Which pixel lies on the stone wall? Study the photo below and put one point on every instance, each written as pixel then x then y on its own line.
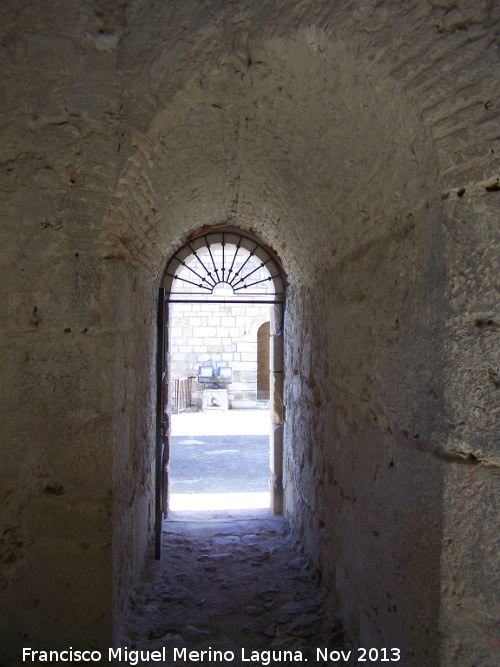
pixel 362 484
pixel 59 166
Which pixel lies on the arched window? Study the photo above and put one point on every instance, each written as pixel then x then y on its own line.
pixel 224 266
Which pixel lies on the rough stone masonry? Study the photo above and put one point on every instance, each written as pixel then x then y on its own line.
pixel 358 140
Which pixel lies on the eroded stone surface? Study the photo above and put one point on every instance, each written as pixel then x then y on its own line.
pixel 232 585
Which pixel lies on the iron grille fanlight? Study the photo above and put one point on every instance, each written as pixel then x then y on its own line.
pixel 224 267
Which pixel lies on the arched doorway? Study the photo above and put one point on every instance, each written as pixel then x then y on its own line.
pixel 224 266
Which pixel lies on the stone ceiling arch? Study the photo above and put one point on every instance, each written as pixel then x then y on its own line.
pixel 314 149
pixel 444 55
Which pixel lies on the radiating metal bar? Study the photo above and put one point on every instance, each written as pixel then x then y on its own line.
pixel 203 265
pixel 234 258
pixel 236 289
pixel 202 278
pixel 251 272
pixel 184 280
pixel 223 258
pixel 243 265
pixel 211 257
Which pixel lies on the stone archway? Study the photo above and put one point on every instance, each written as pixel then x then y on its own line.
pixel 252 274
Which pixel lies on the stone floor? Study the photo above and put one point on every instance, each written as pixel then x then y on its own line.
pixel 239 585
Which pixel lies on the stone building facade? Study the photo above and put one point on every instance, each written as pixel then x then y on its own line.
pixel 221 335
pixel 358 140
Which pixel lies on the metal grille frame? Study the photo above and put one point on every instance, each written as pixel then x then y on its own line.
pixel 207 269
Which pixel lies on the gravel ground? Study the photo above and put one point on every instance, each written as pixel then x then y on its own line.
pixel 240 586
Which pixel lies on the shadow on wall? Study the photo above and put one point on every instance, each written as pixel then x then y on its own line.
pixel 363 483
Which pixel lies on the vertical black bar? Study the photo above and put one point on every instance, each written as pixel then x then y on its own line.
pixel 212 258
pixel 234 258
pixel 160 423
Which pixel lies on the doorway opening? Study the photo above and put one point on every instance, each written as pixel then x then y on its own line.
pixel 219 436
pixel 219 291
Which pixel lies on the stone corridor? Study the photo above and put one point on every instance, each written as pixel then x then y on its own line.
pixel 356 143
pixel 230 585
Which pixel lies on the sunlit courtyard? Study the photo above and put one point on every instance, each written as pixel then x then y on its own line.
pixel 219 460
